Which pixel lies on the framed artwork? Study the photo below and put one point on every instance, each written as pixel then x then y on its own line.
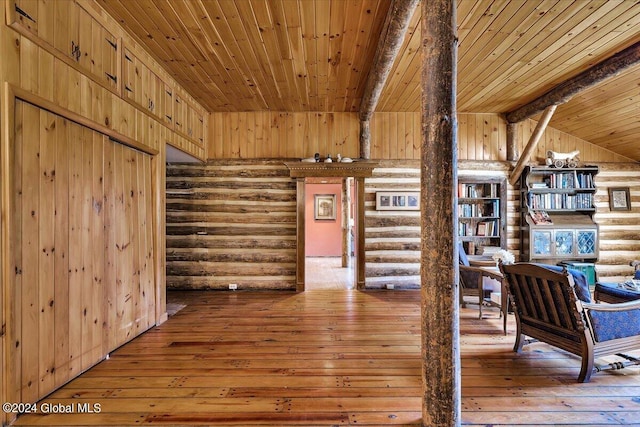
pixel 325 207
pixel 619 199
pixel 398 200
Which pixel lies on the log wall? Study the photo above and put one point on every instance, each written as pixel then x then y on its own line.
pixel 392 238
pixel 231 222
pixel 619 230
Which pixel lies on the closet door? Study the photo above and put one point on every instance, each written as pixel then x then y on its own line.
pixel 83 250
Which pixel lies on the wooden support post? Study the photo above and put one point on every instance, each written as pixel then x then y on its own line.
pixel 512 142
pixel 346 227
pixel 360 253
pixel 532 144
pixel 365 140
pixel 300 235
pixel 441 404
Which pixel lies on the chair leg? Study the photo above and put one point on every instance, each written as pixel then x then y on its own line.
pixel 480 295
pixel 517 346
pixel 586 369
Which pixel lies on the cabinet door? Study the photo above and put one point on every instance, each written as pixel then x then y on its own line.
pixel 586 242
pixel 563 242
pixel 541 242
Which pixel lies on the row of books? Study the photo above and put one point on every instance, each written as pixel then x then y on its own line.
pixel 560 201
pixel 482 229
pixel 566 180
pixel 478 190
pixel 488 208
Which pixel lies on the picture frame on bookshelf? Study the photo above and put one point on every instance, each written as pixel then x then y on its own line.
pixel 482 229
pixel 398 200
pixel 619 199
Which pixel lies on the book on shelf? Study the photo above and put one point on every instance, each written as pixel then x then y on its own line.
pixel 541 217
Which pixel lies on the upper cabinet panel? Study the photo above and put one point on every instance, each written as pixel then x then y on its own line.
pixel 72 34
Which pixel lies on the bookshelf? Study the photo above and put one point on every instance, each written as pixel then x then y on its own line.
pixel 557 208
pixel 482 213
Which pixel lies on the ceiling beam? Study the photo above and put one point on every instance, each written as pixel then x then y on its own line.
pixel 393 32
pixel 560 94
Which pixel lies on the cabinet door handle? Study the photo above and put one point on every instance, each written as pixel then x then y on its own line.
pixel 23 13
pixel 114 78
pixel 75 51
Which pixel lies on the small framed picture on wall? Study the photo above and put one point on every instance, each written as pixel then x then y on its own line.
pixel 398 200
pixel 619 199
pixel 325 207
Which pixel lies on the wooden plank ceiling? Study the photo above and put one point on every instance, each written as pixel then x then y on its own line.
pixel 315 55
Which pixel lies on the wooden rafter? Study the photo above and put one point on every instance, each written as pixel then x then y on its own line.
pixel 560 94
pixel 532 144
pixel 393 32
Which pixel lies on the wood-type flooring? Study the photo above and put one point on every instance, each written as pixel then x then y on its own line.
pixel 327 358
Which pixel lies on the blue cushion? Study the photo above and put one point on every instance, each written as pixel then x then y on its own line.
pixel 609 325
pixel 613 290
pixel 464 260
pixel 579 278
pixel 636 275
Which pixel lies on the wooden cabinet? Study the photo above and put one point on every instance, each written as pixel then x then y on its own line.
pixel 557 207
pixel 71 33
pixel 481 213
pixel 144 88
pixel 189 120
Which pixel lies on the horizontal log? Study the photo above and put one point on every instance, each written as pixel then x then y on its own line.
pixel 389 259
pixel 373 270
pixel 185 217
pixel 395 234
pixel 392 221
pixel 173 230
pixel 230 185
pixel 257 196
pixel 232 242
pixel 285 283
pixel 182 268
pixel 230 207
pixel 392 246
pixel 218 256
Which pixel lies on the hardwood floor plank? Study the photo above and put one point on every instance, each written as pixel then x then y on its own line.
pixel 324 358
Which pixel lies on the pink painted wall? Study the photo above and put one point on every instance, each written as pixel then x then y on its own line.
pixel 322 238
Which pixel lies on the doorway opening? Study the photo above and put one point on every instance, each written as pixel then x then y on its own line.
pixel 329 234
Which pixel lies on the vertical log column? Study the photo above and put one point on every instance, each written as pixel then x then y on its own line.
pixel 300 235
pixel 439 287
pixel 360 249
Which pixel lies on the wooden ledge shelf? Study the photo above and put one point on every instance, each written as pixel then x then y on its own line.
pixel 357 169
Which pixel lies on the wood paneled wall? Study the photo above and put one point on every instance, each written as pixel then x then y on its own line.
pixel 255 135
pixel 394 136
pixel 83 252
pixel 116 246
pixel 231 222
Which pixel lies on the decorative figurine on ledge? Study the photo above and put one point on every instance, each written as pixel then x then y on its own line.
pixel 328 159
pixel 561 160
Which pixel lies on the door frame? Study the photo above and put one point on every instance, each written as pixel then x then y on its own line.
pixel 359 171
